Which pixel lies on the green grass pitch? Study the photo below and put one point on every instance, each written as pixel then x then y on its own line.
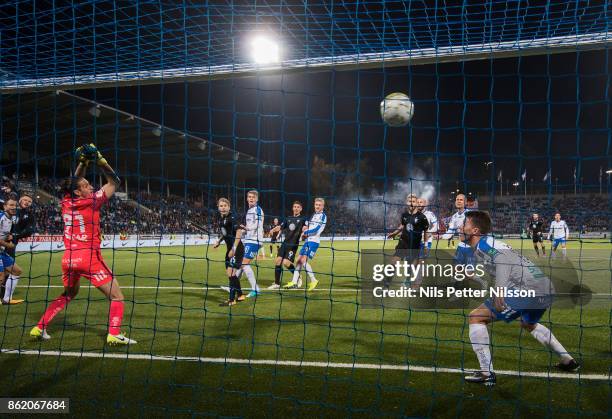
pixel 172 310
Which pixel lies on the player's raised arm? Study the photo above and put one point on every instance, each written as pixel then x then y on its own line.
pixel 82 155
pixel 80 170
pixel 89 153
pixel 112 180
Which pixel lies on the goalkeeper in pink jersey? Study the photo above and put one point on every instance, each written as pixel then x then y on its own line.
pixel 82 237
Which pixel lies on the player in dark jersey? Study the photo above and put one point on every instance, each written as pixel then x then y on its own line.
pixel 292 230
pixel 413 225
pixel 412 230
pixel 274 233
pixel 229 224
pixel 535 228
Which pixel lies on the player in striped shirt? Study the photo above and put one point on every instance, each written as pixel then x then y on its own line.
pixel 559 233
pixel 433 226
pixel 513 272
pixel 9 270
pixel 312 233
pixel 251 233
pixel 456 221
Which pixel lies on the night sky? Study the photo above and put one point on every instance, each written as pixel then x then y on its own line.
pixel 532 113
pixel 529 113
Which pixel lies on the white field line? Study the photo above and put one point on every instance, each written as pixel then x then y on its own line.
pixel 300 364
pixel 263 290
pixel 267 259
pixel 215 288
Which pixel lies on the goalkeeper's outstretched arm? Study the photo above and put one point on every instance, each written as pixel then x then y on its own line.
pixel 112 181
pixel 81 169
pixel 88 153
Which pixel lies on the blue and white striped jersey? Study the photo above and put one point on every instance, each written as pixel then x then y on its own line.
pixel 254 223
pixel 316 225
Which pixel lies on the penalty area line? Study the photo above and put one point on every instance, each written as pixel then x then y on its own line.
pixel 212 288
pixel 300 364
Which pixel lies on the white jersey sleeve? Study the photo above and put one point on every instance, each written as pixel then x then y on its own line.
pixel 6 225
pixel 254 223
pixel 511 270
pixel 558 230
pixel 433 221
pixel 316 225
pixel 456 222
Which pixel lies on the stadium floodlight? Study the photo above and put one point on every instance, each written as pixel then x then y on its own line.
pixel 156 131
pixel 515 183
pixel 264 50
pixel 609 171
pixel 95 111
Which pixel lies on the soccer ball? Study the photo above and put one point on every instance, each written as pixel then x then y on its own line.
pixel 396 109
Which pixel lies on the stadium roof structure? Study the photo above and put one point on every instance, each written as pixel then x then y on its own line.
pixel 45 46
pixel 43 128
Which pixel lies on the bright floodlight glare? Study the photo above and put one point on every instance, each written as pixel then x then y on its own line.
pixel 264 50
pixel 609 171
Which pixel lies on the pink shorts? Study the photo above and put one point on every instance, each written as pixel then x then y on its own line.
pixel 87 263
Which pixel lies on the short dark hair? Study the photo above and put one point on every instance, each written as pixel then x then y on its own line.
pixel 298 203
pixel 480 219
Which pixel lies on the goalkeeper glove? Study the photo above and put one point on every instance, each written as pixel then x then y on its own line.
pixel 99 158
pixel 81 155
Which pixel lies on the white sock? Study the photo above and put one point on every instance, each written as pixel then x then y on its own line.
pixel 296 274
pixel 309 271
pixel 248 271
pixel 546 338
pixel 564 251
pixel 479 336
pixel 10 285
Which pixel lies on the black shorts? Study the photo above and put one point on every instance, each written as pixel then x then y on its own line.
pixel 537 238
pixel 404 252
pixel 235 261
pixel 287 251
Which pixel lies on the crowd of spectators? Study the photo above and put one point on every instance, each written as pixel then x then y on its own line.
pixel 153 213
pixel 582 213
pixel 128 217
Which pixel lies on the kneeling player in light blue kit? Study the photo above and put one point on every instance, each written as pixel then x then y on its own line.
pixel 312 234
pixel 513 272
pixel 251 234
